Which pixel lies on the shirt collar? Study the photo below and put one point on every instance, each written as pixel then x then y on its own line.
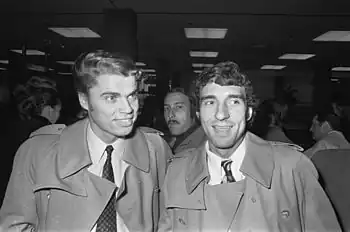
pixel 237 156
pixel 97 146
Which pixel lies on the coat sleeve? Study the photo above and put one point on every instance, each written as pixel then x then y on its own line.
pixel 316 211
pixel 18 211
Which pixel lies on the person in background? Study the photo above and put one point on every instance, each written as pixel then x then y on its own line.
pixel 326 129
pixel 98 174
pixel 237 181
pixel 268 123
pixel 180 116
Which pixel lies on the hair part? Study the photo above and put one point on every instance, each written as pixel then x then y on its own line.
pixel 91 65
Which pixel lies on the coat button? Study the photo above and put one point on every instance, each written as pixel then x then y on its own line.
pixel 285 214
pixel 253 199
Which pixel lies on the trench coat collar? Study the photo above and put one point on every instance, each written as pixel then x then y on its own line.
pixel 257 164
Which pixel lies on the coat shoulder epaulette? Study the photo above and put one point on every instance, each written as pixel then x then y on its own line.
pixel 289 145
pixel 54 129
pixel 150 130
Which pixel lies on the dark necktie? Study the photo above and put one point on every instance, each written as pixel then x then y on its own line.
pixel 107 222
pixel 226 165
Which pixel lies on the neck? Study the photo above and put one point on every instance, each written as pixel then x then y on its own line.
pixel 106 137
pixel 226 153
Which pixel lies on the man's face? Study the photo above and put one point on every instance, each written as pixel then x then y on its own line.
pixel 316 129
pixel 112 105
pixel 223 115
pixel 177 113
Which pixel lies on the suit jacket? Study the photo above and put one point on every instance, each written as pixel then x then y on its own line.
pixel 280 192
pixel 333 168
pixel 334 140
pixel 193 140
pixel 50 188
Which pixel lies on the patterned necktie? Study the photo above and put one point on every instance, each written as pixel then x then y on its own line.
pixel 226 165
pixel 107 222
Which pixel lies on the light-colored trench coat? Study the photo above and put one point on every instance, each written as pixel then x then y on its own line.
pixel 280 192
pixel 50 188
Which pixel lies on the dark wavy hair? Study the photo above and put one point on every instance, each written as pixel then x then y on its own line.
pixel 34 95
pixel 90 65
pixel 226 73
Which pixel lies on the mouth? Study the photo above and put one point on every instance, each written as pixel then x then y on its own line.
pixel 125 122
pixel 222 128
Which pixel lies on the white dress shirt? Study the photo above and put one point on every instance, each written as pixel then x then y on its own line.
pixel 98 157
pixel 216 172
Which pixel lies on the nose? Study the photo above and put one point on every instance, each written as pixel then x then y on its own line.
pixel 171 114
pixel 125 106
pixel 222 112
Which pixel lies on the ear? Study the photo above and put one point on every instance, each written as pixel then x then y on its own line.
pixel 83 100
pixel 325 126
pixel 249 113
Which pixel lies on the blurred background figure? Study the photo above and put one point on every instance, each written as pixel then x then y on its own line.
pixel 268 122
pixel 38 104
pixel 185 130
pixel 326 130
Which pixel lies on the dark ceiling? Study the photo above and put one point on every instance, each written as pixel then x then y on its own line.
pixel 259 31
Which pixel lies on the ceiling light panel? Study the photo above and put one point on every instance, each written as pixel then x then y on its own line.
pixel 198 65
pixel 208 54
pixel 334 36
pixel 273 67
pixel 341 69
pixel 296 56
pixel 148 70
pixel 205 33
pixel 66 62
pixel 29 52
pixel 140 64
pixel 75 32
pixel 4 61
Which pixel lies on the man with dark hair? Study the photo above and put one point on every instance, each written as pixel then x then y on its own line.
pixel 326 130
pixel 100 173
pixel 180 117
pixel 236 181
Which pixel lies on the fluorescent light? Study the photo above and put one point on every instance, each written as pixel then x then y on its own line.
pixel 37 68
pixel 197 71
pixel 205 33
pixel 148 70
pixel 29 52
pixel 140 64
pixel 296 56
pixel 75 32
pixel 64 73
pixel 341 69
pixel 198 65
pixel 3 68
pixel 203 54
pixel 334 79
pixel 273 67
pixel 336 36
pixel 4 61
pixel 66 62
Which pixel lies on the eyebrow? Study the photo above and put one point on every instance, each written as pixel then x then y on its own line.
pixel 116 94
pixel 211 97
pixel 176 103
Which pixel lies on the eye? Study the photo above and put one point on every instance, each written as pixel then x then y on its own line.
pixel 133 96
pixel 179 107
pixel 208 102
pixel 110 98
pixel 235 101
